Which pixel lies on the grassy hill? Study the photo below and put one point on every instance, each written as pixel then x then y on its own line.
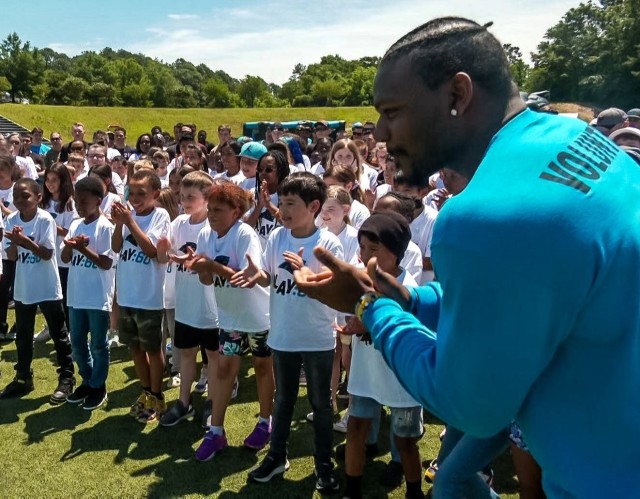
pixel 140 120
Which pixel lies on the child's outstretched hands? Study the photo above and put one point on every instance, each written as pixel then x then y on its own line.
pixel 294 259
pixel 196 263
pixel 78 242
pixel 121 214
pixel 17 237
pixel 248 276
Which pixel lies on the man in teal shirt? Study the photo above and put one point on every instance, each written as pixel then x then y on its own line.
pixel 537 306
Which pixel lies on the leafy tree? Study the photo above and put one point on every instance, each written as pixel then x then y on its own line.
pixel 216 93
pixel 72 90
pixel 250 88
pixel 5 85
pixel 519 68
pixel 21 65
pixel 328 92
pixel 184 96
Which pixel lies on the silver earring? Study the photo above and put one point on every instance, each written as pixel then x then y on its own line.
pixel 454 112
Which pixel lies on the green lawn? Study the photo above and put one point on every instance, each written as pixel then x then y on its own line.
pixel 140 120
pixel 67 452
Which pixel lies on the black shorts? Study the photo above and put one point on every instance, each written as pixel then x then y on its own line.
pixel 186 336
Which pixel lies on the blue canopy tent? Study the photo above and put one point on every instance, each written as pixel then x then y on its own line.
pixel 257 129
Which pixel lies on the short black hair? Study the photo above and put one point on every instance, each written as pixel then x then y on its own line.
pixel 90 185
pixel 30 184
pixel 306 185
pixel 150 175
pixel 443 47
pixel 406 204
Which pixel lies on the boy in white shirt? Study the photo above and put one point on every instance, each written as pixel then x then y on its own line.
pixel 140 280
pixel 91 283
pixel 196 313
pixel 30 240
pixel 301 328
pixel 385 235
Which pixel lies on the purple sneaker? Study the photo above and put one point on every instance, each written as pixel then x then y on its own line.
pixel 210 446
pixel 259 437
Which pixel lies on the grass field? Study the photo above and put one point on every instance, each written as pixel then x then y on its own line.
pixel 66 451
pixel 140 120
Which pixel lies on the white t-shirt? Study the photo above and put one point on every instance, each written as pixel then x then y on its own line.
pixel 371 178
pixel 318 169
pixel 412 261
pixel 140 278
pixel 298 323
pixel 248 184
pixel 27 167
pixel 107 203
pixel 36 280
pixel 90 287
pixel 350 247
pixel 371 377
pixel 244 310
pixel 195 302
pixel 421 232
pixel 358 214
pixel 381 191
pixel 169 290
pixel 63 220
pixel 236 179
pixel 267 222
pixel 6 197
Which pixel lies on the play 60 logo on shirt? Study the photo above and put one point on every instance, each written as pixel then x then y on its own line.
pixel 133 254
pixel 25 256
pixel 82 261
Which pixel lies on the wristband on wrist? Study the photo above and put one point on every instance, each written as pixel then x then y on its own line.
pixel 364 302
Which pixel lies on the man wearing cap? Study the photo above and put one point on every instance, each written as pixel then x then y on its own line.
pixel 250 154
pixel 322 130
pixel 356 131
pixel 535 315
pixel 305 132
pixel 634 117
pixel 611 120
pixel 277 131
pixel 627 136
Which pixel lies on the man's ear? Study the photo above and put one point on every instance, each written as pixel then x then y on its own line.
pixel 461 91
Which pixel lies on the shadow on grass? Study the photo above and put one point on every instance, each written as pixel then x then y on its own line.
pixel 12 408
pixel 47 422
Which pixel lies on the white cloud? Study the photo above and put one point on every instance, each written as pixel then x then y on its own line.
pixel 304 32
pixel 182 17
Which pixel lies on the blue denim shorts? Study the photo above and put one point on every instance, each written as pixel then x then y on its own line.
pixel 406 422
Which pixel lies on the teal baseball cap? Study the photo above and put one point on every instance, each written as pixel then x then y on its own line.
pixel 252 150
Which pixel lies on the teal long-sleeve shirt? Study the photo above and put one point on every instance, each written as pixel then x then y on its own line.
pixel 537 309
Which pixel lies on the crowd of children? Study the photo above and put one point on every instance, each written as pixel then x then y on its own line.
pixel 204 259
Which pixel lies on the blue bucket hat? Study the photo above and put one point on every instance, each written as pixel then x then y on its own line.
pixel 252 150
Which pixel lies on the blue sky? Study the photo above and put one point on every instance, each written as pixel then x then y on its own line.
pixel 266 38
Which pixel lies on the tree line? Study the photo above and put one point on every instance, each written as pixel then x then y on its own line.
pixel 591 55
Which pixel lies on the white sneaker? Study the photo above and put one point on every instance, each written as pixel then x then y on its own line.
pixel 174 381
pixel 310 417
pixel 234 392
pixel 11 334
pixel 201 385
pixel 341 426
pixel 42 336
pixel 113 338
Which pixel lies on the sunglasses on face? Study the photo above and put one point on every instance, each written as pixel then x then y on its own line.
pixel 368 131
pixel 279 128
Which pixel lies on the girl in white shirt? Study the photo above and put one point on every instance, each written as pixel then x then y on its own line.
pixel 343 176
pixel 57 199
pixel 335 219
pixel 103 173
pixel 345 152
